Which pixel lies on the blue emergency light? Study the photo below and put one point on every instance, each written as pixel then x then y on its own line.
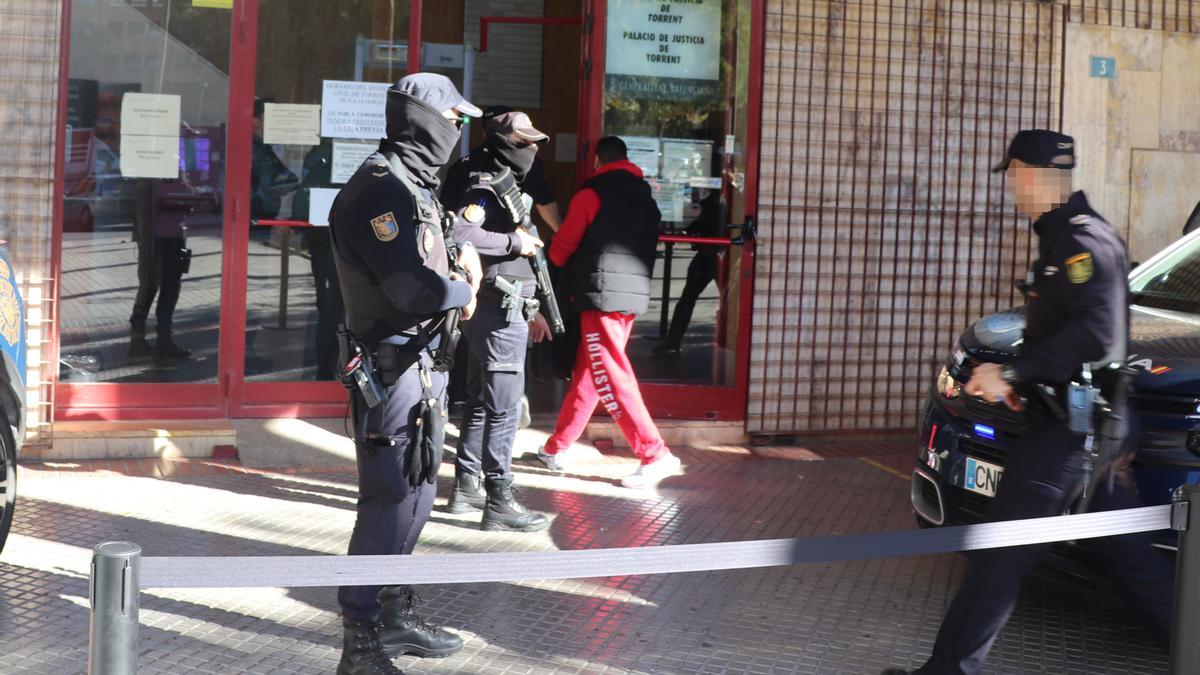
pixel 984 431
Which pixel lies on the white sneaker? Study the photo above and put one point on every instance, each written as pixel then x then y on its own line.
pixel 649 475
pixel 552 462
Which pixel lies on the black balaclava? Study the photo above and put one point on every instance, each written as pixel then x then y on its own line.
pixel 512 154
pixel 420 136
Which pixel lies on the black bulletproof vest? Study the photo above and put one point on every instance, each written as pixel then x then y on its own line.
pixel 611 270
pixel 513 266
pixel 370 314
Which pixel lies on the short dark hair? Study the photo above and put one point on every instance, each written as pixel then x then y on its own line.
pixel 611 149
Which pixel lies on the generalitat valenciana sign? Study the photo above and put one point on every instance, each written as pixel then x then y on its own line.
pixel 663 50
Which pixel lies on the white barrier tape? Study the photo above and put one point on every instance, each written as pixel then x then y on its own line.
pixel 298 571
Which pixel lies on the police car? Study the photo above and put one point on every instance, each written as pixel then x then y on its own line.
pixel 12 389
pixel 965 441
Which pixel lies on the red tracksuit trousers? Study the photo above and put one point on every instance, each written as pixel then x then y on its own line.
pixel 604 376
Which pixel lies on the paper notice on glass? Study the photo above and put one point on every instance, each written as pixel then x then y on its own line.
pixel 705 183
pixel 347 157
pixel 150 115
pixel 291 124
pixel 566 145
pixel 149 156
pixel 320 201
pixel 685 159
pixel 670 198
pixel 643 151
pixel 354 109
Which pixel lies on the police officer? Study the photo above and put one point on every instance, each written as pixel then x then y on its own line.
pixel 499 331
pixel 1077 313
pixel 387 233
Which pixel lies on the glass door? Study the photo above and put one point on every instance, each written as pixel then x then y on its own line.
pixel 144 203
pixel 673 81
pixel 321 70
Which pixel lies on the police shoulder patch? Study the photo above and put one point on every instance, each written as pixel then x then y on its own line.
pixel 1080 268
pixel 385 227
pixel 474 214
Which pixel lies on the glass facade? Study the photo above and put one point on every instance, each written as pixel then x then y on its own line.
pixel 223 288
pixel 144 167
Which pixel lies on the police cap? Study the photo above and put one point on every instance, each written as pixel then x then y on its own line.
pixel 1040 147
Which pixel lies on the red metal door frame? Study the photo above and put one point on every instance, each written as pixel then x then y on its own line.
pixel 687 401
pixel 232 395
pixel 120 401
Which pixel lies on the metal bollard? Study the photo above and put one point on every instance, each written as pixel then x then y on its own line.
pixel 112 632
pixel 1185 648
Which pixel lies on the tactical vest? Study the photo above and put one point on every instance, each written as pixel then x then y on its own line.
pixel 500 218
pixel 370 314
pixel 611 270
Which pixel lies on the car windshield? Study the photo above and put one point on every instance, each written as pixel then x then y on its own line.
pixel 1170 281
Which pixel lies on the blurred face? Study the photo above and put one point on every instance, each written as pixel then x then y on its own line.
pixel 457 118
pixel 1037 189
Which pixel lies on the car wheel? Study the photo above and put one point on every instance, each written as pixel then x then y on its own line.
pixel 8 478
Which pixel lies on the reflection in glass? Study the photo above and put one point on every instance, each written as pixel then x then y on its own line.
pixel 144 186
pixel 677 97
pixel 293 303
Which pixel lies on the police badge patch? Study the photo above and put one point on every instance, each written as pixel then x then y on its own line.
pixel 1079 268
pixel 385 227
pixel 428 239
pixel 474 214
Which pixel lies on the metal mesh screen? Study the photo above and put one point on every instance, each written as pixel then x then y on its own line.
pixel 29 69
pixel 883 233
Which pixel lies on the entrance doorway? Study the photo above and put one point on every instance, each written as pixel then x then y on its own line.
pixel 205 142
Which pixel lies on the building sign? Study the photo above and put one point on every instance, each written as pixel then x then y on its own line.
pixel 291 124
pixel 320 204
pixel 686 159
pixel 1104 67
pixel 354 110
pixel 663 50
pixel 347 157
pixel 670 198
pixel 150 135
pixel 643 151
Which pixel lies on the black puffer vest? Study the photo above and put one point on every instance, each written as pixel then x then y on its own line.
pixel 611 270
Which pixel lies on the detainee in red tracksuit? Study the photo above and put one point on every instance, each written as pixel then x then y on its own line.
pixel 607 245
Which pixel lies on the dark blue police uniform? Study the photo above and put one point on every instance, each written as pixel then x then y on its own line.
pixel 1077 313
pixel 498 336
pixel 388 236
pixel 392 262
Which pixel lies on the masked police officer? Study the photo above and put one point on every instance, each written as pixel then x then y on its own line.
pixel 1077 321
pixel 387 232
pixel 489 219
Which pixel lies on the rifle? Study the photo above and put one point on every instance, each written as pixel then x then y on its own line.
pixel 519 206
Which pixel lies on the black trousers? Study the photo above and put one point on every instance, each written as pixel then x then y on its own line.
pixel 391 514
pixel 700 273
pixel 160 272
pixel 1044 474
pixel 330 310
pixel 495 384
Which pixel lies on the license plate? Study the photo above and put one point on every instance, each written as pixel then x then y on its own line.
pixel 982 477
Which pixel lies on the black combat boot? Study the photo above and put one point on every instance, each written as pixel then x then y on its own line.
pixel 166 348
pixel 468 494
pixel 403 632
pixel 139 346
pixel 362 654
pixel 503 513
